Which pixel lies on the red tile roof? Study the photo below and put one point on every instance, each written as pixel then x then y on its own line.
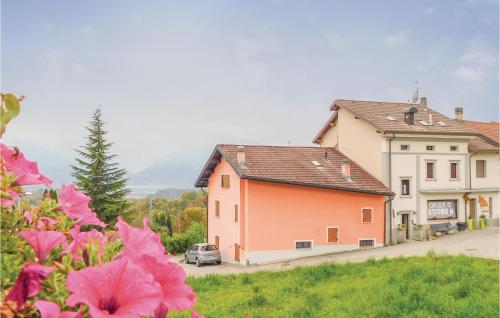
pixel 478 144
pixel 489 130
pixel 294 165
pixel 376 113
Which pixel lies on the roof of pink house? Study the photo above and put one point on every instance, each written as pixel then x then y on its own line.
pixel 389 118
pixel 308 166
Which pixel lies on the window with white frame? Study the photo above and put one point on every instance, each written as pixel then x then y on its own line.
pixel 405 186
pixel 430 170
pixel 366 243
pixel 454 170
pixel 405 147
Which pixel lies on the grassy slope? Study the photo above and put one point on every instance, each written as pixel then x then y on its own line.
pixel 428 286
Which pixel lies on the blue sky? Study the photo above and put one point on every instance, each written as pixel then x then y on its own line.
pixel 175 78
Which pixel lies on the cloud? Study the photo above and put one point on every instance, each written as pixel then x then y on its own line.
pixel 475 66
pixel 468 74
pixel 429 11
pixel 396 40
pixel 335 41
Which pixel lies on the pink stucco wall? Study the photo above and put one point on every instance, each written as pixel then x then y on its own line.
pixel 224 226
pixel 272 215
pixel 278 214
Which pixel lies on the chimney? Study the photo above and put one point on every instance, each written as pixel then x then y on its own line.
pixel 409 116
pixel 241 157
pixel 346 169
pixel 459 113
pixel 423 102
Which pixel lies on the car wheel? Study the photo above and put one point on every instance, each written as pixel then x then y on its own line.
pixel 186 260
pixel 198 264
pixel 219 262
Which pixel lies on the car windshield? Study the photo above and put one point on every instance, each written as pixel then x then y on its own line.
pixel 209 248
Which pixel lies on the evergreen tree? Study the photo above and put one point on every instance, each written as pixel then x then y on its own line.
pixel 98 175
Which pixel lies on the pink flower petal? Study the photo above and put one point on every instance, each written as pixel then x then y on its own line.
pixel 28 283
pixel 176 294
pixel 128 291
pixel 49 309
pixel 81 239
pixel 43 242
pixel 76 205
pixel 26 171
pixel 139 242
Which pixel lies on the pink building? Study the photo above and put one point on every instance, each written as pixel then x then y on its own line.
pixel 268 203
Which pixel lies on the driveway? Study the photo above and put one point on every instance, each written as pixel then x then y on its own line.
pixel 479 243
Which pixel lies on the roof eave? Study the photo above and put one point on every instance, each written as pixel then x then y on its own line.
pixel 321 186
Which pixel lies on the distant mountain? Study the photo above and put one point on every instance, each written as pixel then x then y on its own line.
pixel 170 193
pixel 54 166
pixel 178 170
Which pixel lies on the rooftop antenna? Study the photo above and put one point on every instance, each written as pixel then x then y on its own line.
pixel 415 96
pixel 289 142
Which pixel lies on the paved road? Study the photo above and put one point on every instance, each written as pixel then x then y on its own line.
pixel 480 243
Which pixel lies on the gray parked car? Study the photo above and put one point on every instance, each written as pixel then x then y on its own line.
pixel 202 253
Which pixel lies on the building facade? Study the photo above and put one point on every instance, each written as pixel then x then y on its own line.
pixel 439 168
pixel 270 203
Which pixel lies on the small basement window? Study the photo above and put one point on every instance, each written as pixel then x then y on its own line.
pixel 303 244
pixel 366 243
pixel 405 147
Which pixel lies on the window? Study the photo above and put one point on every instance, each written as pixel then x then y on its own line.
pixel 405 147
pixel 217 241
pixel 405 186
pixel 217 208
pixel 367 215
pixel 441 209
pixel 480 168
pixel 235 213
pixel 303 244
pixel 332 234
pixel 430 170
pixel 429 147
pixel 367 243
pixel 453 148
pixel 225 181
pixel 209 247
pixel 454 170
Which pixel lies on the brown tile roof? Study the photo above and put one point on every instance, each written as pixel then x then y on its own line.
pixel 478 144
pixel 489 130
pixel 293 165
pixel 376 113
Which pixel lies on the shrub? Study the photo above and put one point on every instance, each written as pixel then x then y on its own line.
pixel 179 243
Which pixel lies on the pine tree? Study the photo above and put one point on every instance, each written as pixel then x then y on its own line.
pixel 98 175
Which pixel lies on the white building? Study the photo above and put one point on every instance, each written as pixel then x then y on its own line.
pixel 441 169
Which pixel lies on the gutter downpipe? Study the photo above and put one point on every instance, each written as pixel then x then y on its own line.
pixel 206 212
pixel 390 187
pixel 470 184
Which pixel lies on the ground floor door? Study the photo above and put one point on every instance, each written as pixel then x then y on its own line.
pixel 236 252
pixel 405 219
pixel 473 211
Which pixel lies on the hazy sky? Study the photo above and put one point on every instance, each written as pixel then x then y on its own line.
pixel 175 78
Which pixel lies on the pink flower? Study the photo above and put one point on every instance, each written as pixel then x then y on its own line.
pixel 76 205
pixel 117 289
pixel 49 309
pixel 81 239
pixel 139 242
pixel 171 277
pixel 28 216
pixel 194 314
pixel 28 283
pixel 44 223
pixel 14 196
pixel 43 242
pixel 26 171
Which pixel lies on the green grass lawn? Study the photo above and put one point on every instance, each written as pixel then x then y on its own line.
pixel 431 286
